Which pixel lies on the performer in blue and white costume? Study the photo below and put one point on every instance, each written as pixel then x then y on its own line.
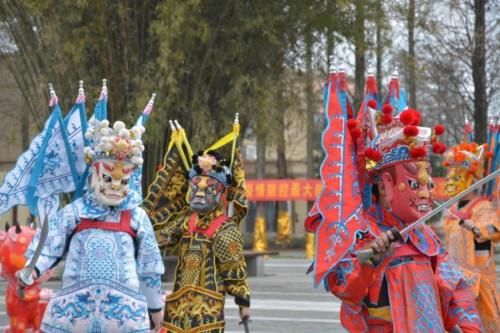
pixel 111 278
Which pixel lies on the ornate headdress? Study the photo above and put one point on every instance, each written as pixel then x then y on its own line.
pixel 117 142
pixel 478 160
pixel 468 156
pixel 392 134
pixel 166 199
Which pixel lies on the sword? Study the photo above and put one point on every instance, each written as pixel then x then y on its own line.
pixel 475 230
pixel 26 274
pixel 367 254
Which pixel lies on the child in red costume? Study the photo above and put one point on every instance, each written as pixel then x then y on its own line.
pixel 24 312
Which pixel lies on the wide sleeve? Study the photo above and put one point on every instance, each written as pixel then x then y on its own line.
pixel 61 227
pixel 231 266
pixel 171 233
pixel 149 261
pixel 457 300
pixel 350 280
pixel 485 217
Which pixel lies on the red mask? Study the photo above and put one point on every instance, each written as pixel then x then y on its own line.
pixel 406 192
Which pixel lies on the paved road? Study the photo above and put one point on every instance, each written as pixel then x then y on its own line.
pixel 282 301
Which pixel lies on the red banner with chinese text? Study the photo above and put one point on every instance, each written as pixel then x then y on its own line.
pixel 306 189
pixel 283 189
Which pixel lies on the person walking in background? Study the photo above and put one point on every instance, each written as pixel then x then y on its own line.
pixel 472 228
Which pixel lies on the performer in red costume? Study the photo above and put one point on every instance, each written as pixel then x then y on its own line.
pixel 408 286
pixel 25 311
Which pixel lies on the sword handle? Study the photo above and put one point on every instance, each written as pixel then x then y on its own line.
pixel 26 276
pixel 26 279
pixel 367 254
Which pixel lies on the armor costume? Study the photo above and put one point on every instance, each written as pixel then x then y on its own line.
pixel 413 288
pixel 208 239
pixel 474 213
pixel 113 267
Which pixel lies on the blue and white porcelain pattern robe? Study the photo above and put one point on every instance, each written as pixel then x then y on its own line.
pixel 110 279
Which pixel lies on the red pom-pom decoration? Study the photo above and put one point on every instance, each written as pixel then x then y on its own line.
pixel 376 156
pixel 387 118
pixel 418 152
pixel 387 108
pixel 372 104
pixel 355 133
pixel 416 118
pixel 406 117
pixel 488 155
pixel 373 154
pixel 439 129
pixel 410 130
pixel 436 147
pixel 352 123
pixel 443 148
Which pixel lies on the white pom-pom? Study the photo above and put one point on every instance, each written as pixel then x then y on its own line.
pixel 137 132
pixel 140 161
pixel 118 126
pixel 105 123
pixel 104 131
pixel 89 134
pixel 135 159
pixel 124 133
pixel 136 151
pixel 108 146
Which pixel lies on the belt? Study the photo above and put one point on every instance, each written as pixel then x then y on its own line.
pixel 380 313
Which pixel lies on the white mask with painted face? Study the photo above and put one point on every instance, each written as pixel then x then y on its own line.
pixel 111 181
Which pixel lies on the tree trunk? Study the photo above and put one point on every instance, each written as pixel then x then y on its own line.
pixel 281 142
pixel 359 52
pixel 379 43
pixel 260 169
pixel 309 104
pixel 412 75
pixel 479 73
pixel 330 32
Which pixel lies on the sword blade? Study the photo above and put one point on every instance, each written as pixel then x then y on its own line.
pixel 366 254
pixel 450 202
pixel 39 247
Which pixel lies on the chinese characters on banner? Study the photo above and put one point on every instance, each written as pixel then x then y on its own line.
pixel 305 189
pixel 283 189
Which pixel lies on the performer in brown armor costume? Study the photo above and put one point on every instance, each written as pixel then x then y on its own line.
pixel 204 226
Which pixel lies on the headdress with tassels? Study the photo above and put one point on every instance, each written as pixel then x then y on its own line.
pixel 392 134
pixel 478 160
pixel 116 142
pixel 166 198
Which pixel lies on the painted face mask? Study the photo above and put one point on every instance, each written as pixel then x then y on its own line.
pixel 457 180
pixel 111 181
pixel 204 194
pixel 407 190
